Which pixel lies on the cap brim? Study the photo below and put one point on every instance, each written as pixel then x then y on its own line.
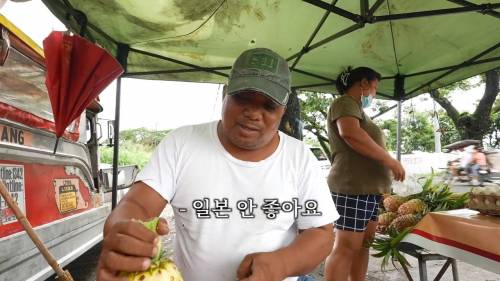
pixel 274 91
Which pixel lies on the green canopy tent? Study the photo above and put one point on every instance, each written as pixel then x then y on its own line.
pixel 417 45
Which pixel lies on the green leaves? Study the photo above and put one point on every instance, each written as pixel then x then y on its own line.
pixel 417 131
pixel 136 147
pixel 314 110
pixel 439 197
pixel 387 247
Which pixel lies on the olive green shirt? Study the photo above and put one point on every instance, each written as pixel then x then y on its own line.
pixel 351 172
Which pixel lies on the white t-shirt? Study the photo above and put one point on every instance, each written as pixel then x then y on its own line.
pixel 191 169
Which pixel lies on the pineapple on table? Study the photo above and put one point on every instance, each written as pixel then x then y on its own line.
pixel 384 220
pixel 392 203
pixel 413 206
pixel 404 221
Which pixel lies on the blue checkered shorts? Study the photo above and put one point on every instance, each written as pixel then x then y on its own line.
pixel 356 210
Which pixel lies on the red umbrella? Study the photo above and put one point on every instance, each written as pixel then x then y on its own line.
pixel 77 72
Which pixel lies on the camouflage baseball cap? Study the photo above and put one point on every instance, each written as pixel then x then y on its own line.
pixel 261 70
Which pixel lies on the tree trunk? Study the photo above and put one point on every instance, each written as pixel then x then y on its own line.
pixel 446 105
pixel 290 123
pixel 326 148
pixel 473 126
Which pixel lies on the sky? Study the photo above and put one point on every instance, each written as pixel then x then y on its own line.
pixel 156 105
pixel 166 105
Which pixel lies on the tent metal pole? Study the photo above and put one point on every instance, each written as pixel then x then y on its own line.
pixel 337 35
pixel 375 6
pixel 398 132
pixel 383 112
pixel 456 68
pixel 364 9
pixel 171 71
pixel 329 39
pixel 122 56
pixel 483 8
pixel 399 86
pixel 68 7
pixel 311 86
pixel 314 75
pixel 469 4
pixel 334 9
pixel 385 95
pixel 116 143
pixel 305 49
pixel 178 62
pixel 493 59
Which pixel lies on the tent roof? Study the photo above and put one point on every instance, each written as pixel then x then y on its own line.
pixel 416 45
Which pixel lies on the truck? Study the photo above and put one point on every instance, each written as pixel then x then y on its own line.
pixel 64 194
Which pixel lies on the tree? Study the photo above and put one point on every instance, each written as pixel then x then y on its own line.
pixel 417 132
pixel 314 115
pixel 389 127
pixel 477 124
pixel 143 136
pixel 136 147
pixel 494 133
pixel 290 123
pixel 449 133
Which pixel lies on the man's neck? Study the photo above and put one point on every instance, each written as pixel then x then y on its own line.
pixel 251 155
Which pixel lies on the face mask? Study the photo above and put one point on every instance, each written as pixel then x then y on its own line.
pixel 366 101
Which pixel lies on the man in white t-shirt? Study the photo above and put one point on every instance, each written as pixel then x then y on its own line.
pixel 250 202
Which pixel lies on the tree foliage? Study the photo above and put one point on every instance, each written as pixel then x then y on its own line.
pixel 136 147
pixel 449 133
pixel 146 137
pixel 314 111
pixel 493 136
pixel 417 132
pixel 474 125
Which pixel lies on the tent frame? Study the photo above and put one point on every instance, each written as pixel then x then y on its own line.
pixel 366 16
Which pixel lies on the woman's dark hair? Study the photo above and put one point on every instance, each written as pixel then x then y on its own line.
pixel 348 77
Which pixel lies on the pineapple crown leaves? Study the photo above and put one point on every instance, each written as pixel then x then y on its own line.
pixel 388 247
pixel 439 197
pixel 151 224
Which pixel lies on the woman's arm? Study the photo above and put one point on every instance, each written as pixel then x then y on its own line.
pixel 359 140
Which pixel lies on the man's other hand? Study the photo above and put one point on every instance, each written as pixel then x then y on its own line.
pixel 262 267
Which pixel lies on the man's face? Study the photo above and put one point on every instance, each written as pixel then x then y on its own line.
pixel 250 119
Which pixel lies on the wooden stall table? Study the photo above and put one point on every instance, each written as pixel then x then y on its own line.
pixel 464 234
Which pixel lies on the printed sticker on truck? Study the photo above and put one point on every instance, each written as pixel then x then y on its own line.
pixel 68 196
pixel 15 135
pixel 13 178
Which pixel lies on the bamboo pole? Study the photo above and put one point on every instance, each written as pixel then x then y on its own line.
pixel 61 275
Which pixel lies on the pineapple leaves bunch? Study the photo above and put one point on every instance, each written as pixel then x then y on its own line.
pixel 387 247
pixel 400 214
pixel 162 268
pixel 439 197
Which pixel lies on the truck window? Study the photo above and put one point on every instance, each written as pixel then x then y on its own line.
pixel 24 95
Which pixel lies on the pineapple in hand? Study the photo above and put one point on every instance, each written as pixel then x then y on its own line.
pixel 162 268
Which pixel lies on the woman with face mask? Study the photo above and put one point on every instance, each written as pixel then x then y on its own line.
pixel 360 173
